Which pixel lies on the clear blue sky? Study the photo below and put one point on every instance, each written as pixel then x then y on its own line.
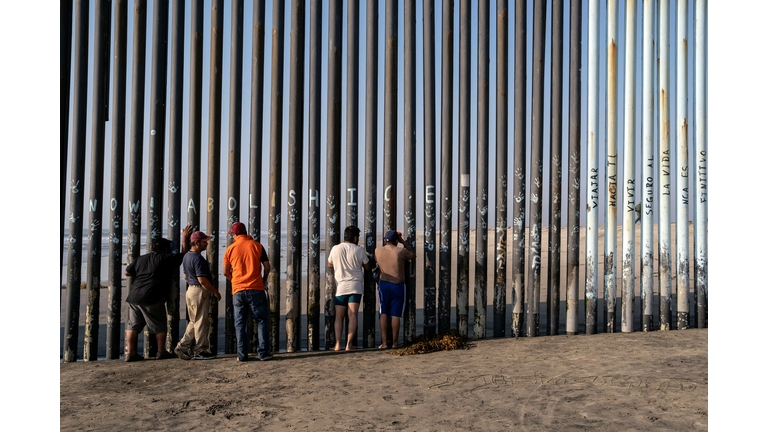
pixel 247 39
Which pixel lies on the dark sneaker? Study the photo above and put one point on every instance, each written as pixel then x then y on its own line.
pixel 266 357
pixel 241 360
pixel 205 355
pixel 162 355
pixel 182 354
pixel 133 357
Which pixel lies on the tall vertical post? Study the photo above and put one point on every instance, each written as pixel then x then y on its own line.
pixel 701 241
pixel 611 170
pixel 118 178
pixel 390 116
pixel 593 170
pixel 665 174
pixel 313 210
pixel 682 166
pixel 429 169
pixel 333 158
pixel 446 172
pixel 96 205
pixel 65 63
pixel 295 179
pixel 353 97
pixel 257 121
pixel 371 150
pixel 462 254
pixel 502 136
pixel 537 168
pixel 555 170
pixel 390 120
pixel 574 171
pixel 137 132
pixel 233 172
pixel 195 113
pixel 518 207
pixel 275 172
pixel 77 182
pixel 174 164
pixel 646 273
pixel 159 84
pixel 214 156
pixel 409 160
pixel 481 228
pixel 257 130
pixel 156 166
pixel 630 188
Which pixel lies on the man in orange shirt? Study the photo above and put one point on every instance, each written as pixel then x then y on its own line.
pixel 243 261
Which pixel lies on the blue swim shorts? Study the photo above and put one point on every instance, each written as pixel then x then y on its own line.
pixel 344 300
pixel 391 298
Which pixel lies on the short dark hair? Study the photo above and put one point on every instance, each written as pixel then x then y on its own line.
pixel 351 232
pixel 161 245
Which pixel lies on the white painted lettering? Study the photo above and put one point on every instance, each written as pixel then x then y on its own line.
pixel 427 194
pixel 292 198
pixel 315 198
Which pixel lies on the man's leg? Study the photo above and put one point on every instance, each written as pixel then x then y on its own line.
pixel 352 330
pixel 131 340
pixel 201 322
pixel 186 342
pixel 384 325
pixel 395 331
pixel 341 311
pixel 161 337
pixel 260 311
pixel 134 324
pixel 241 315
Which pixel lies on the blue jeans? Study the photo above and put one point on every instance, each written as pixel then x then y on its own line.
pixel 256 302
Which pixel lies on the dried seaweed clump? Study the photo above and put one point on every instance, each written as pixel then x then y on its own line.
pixel 447 340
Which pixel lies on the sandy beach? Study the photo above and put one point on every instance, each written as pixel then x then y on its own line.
pixel 638 381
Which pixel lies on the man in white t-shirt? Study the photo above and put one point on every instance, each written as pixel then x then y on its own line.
pixel 347 260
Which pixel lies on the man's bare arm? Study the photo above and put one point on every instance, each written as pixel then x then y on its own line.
pixel 205 283
pixel 228 271
pixel 266 268
pixel 185 234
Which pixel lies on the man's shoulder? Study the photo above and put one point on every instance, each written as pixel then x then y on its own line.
pixel 191 257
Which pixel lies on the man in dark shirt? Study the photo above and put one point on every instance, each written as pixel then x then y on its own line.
pixel 152 275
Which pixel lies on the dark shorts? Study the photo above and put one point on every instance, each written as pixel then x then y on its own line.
pixel 344 300
pixel 153 316
pixel 391 298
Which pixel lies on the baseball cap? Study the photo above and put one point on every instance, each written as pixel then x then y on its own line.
pixel 237 228
pixel 199 236
pixel 391 236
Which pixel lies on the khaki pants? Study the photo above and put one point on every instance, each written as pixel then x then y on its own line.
pixel 195 338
